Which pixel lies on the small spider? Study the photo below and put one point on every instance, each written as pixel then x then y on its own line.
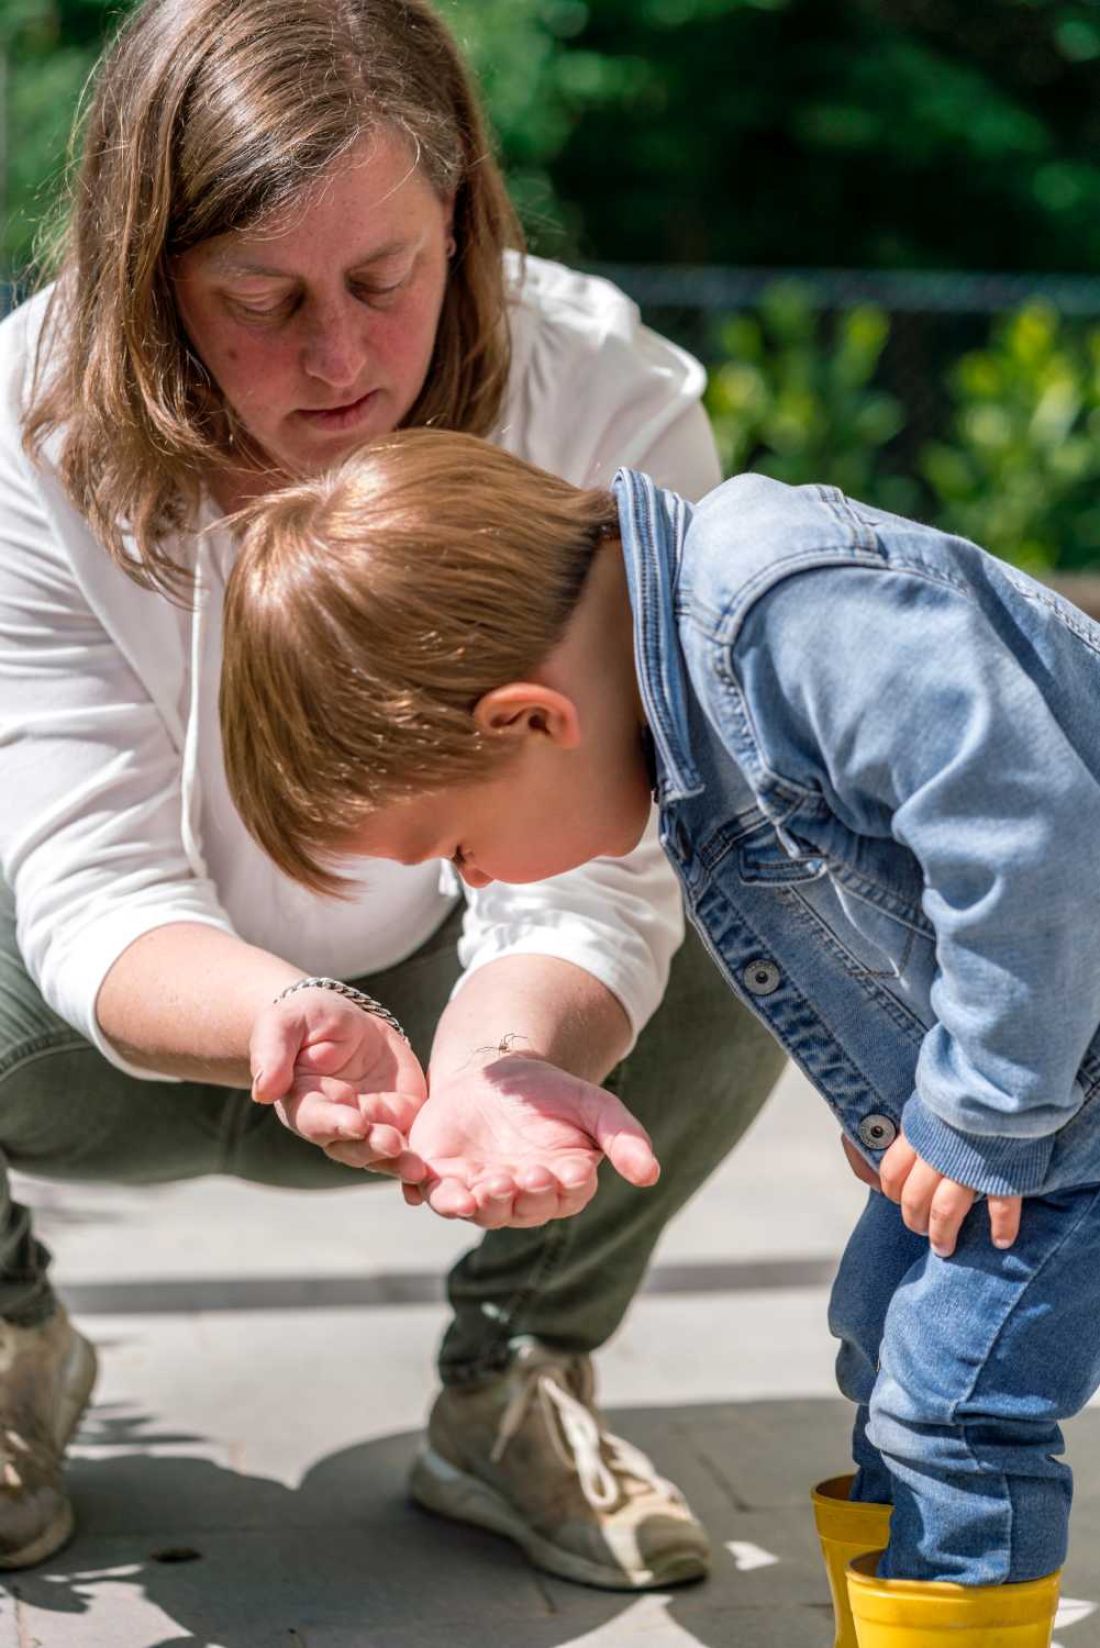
pixel 504 1045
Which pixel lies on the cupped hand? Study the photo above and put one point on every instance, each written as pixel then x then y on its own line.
pixel 518 1142
pixel 341 1078
pixel 935 1206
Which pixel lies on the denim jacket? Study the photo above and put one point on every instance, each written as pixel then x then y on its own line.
pixel 878 769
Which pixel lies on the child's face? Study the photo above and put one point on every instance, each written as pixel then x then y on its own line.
pixel 572 781
pixel 544 811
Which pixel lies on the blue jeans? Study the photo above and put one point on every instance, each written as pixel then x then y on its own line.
pixel 962 1369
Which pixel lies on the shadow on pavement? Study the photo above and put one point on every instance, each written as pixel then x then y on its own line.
pixel 179 1547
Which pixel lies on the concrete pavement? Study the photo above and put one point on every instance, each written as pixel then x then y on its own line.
pixel 267 1364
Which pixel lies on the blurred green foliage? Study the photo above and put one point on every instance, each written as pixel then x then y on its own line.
pixel 868 133
pixel 797 399
pixel 799 395
pixel 47 49
pixel 1020 471
pixel 948 134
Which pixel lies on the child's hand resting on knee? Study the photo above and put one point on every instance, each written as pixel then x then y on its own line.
pixel 935 1206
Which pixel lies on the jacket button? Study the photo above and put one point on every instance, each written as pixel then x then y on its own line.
pixel 761 978
pixel 877 1132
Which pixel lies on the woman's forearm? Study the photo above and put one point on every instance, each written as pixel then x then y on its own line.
pixel 182 999
pixel 534 1005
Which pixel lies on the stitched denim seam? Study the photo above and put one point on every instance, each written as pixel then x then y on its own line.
pixel 547 1263
pixel 905 1020
pixel 880 897
pixel 233 1124
pixel 51 1041
pixel 543 1268
pixel 963 1427
pixel 1008 1315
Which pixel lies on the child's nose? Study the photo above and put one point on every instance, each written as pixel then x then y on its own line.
pixel 474 878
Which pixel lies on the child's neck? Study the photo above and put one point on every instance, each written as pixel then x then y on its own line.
pixel 598 646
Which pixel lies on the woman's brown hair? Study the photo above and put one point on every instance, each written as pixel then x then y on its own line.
pixel 209 116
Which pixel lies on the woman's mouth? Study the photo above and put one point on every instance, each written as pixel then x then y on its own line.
pixel 339 417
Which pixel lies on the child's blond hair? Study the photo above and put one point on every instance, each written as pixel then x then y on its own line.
pixel 368 612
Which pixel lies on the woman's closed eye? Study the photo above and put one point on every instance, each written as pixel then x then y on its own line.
pixel 379 295
pixel 273 311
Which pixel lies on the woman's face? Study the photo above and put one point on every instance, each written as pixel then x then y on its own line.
pixel 319 328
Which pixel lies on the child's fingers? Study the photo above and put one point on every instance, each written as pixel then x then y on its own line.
pixel 861 1168
pixel 1004 1219
pixel 895 1167
pixel 949 1206
pixel 914 1195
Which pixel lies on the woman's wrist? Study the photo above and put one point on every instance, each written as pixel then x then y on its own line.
pixel 537 1007
pixel 348 992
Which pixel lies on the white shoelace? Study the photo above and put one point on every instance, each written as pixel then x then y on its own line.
pixel 14 1446
pixel 579 1442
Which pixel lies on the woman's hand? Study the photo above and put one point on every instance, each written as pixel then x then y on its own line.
pixel 340 1078
pixel 935 1206
pixel 517 1142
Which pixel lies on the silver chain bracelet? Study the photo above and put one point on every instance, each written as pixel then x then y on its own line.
pixel 350 993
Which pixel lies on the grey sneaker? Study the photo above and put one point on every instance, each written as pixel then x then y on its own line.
pixel 46 1377
pixel 527 1455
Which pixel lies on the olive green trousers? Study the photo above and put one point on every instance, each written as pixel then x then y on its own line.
pixel 698 1075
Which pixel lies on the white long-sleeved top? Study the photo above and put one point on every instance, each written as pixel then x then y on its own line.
pixel 115 817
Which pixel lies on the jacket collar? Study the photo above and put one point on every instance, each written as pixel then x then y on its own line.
pixel 653 524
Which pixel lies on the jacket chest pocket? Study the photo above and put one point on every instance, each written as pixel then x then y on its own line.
pixel 866 923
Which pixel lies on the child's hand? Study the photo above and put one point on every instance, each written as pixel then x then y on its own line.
pixel 934 1206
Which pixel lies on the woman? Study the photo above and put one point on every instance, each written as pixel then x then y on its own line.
pixel 288 236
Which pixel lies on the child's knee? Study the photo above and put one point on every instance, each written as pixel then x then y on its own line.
pixel 910 1429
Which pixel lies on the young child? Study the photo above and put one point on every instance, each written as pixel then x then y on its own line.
pixel 876 753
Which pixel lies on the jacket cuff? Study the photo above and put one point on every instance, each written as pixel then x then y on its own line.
pixel 990 1163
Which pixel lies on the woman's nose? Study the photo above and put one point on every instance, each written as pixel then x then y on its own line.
pixel 335 349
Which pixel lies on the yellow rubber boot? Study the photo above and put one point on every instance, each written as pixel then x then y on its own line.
pixel 847 1528
pixel 911 1613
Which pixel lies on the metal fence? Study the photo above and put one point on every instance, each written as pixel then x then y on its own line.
pixel 693 292
pixel 935 316
pixel 715 289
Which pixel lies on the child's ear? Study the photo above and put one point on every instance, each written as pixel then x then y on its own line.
pixel 524 709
